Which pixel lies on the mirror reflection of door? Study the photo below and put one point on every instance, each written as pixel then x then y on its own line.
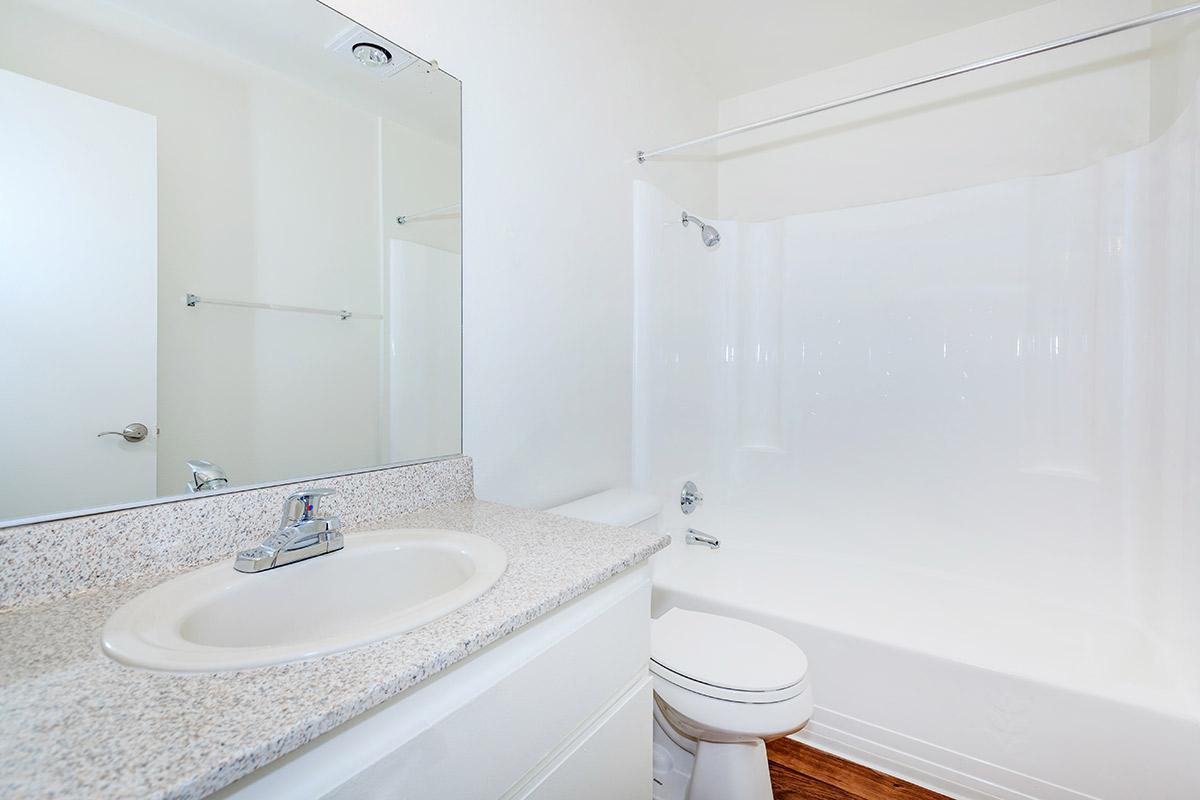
pixel 78 294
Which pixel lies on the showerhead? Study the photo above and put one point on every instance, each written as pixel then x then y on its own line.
pixel 708 234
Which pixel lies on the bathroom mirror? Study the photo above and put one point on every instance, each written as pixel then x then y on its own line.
pixel 230 250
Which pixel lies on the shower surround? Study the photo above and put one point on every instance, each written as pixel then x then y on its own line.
pixel 950 443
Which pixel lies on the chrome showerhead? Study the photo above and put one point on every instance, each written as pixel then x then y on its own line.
pixel 708 234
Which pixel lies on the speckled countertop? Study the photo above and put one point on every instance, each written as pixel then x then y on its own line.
pixel 74 723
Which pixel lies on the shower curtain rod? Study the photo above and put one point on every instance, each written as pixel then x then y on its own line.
pixel 1149 19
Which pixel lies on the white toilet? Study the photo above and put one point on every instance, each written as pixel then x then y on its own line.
pixel 722 687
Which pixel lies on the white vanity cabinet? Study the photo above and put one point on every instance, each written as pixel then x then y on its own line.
pixel 559 709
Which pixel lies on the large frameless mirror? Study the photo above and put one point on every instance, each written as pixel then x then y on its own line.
pixel 230 250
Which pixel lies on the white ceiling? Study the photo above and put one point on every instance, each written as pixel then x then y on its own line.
pixel 424 100
pixel 750 44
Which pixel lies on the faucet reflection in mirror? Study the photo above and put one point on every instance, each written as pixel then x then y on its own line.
pixel 206 476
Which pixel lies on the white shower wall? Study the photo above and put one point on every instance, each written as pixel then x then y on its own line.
pixel 423 324
pixel 997 384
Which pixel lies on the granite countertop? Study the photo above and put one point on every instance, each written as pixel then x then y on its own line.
pixel 74 723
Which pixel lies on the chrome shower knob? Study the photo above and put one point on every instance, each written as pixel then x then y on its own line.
pixel 690 498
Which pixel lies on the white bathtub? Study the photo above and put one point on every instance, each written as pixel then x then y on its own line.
pixel 973 690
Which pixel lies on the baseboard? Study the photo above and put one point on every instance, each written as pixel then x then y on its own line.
pixel 934 767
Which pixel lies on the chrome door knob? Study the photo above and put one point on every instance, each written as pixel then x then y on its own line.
pixel 133 432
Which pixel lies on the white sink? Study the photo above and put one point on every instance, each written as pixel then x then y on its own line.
pixel 380 584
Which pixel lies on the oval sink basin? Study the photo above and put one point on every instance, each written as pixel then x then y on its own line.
pixel 380 584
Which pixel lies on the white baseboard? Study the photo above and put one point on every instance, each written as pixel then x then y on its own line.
pixel 934 767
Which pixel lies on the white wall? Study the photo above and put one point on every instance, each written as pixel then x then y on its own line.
pixel 1174 67
pixel 557 96
pixel 421 174
pixel 1046 114
pixel 1172 558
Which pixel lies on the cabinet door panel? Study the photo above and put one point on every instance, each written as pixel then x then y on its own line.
pixel 613 763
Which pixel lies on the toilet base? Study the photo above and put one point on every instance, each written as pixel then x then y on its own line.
pixel 714 771
pixel 731 771
pixel 672 764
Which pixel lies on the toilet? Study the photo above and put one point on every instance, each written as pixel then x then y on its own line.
pixel 723 687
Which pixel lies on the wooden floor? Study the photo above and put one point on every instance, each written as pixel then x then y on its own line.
pixel 799 772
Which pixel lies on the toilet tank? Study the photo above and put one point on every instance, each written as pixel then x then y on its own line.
pixel 624 507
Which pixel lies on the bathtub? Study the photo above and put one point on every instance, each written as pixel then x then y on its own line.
pixel 973 690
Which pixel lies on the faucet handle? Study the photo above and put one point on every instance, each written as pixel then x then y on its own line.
pixel 690 498
pixel 302 506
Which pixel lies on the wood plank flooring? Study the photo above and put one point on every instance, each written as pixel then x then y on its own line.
pixel 800 772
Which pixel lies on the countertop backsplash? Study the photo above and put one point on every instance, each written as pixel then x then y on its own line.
pixel 48 560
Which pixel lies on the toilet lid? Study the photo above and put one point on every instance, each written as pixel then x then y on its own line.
pixel 725 653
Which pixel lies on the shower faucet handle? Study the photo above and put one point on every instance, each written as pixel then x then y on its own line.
pixel 690 498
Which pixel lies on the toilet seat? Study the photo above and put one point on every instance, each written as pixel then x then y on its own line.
pixel 723 692
pixel 725 658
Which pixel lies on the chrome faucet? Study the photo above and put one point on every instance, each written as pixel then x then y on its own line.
pixel 302 534
pixel 700 537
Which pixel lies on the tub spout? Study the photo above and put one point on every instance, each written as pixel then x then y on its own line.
pixel 700 537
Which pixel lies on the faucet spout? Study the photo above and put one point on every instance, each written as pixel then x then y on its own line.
pixel 700 537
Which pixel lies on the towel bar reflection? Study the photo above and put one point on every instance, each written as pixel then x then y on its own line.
pixel 193 300
pixel 445 212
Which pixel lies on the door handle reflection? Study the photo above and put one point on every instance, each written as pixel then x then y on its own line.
pixel 133 432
